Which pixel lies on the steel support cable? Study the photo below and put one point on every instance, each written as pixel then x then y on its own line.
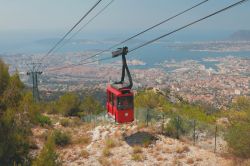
pixel 194 22
pixel 79 30
pixel 146 30
pixel 63 38
pixel 142 32
pixel 158 38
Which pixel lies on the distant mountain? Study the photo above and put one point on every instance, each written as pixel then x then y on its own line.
pixel 241 35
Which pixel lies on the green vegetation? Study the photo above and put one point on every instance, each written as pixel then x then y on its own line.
pixel 156 101
pixel 61 138
pixel 175 128
pixel 90 106
pixel 137 149
pixel 110 143
pixel 106 152
pixel 18 114
pixel 68 104
pixel 65 122
pixel 137 157
pixel 48 155
pixel 14 122
pixel 195 112
pixel 238 139
pixel 238 133
pixel 149 100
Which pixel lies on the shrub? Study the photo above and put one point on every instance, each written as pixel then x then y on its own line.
pixel 195 112
pixel 106 152
pixel 48 155
pixel 84 154
pixel 68 104
pixel 65 122
pixel 137 157
pixel 61 138
pixel 137 149
pixel 146 141
pixel 182 149
pixel 44 120
pixel 14 138
pixel 51 108
pixel 238 139
pixel 83 140
pixel 190 161
pixel 177 127
pixel 110 143
pixel 90 106
pixel 103 161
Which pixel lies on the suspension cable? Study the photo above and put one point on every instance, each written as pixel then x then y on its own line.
pixel 146 30
pixel 79 30
pixel 63 38
pixel 158 38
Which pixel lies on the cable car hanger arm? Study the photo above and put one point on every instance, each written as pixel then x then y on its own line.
pixel 123 52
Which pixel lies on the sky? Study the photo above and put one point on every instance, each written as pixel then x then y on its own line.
pixel 38 19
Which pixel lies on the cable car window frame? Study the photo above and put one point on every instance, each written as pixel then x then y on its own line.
pixel 125 107
pixel 112 101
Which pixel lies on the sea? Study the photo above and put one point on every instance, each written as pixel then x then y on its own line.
pixel 152 54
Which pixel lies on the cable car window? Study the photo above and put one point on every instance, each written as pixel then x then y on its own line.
pixel 125 102
pixel 109 97
pixel 112 99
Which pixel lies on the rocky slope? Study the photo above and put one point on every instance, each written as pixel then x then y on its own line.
pixel 128 145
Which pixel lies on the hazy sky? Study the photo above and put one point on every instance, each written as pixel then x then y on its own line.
pixel 123 16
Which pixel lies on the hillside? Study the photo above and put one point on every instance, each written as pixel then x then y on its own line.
pixel 73 129
pixel 110 144
pixel 242 35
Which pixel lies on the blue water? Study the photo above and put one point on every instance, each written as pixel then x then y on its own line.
pixel 152 54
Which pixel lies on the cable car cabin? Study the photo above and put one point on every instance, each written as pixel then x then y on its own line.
pixel 120 104
pixel 120 100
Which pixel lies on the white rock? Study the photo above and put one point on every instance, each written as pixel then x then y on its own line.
pixel 105 134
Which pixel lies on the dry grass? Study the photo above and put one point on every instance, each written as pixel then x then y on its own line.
pixel 104 161
pixel 116 162
pixel 106 152
pixel 65 122
pixel 84 140
pixel 160 158
pixel 156 154
pixel 150 150
pixel 137 149
pixel 182 149
pixel 190 161
pixel 118 135
pixel 175 161
pixel 198 159
pixel 241 162
pixel 137 157
pixel 167 150
pixel 146 142
pixel 84 154
pixel 110 143
pixel 141 126
pixel 77 122
pixel 168 141
pixel 181 156
pixel 159 147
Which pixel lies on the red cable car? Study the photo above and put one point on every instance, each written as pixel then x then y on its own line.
pixel 120 101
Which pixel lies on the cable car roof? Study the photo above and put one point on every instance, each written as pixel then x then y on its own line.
pixel 117 92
